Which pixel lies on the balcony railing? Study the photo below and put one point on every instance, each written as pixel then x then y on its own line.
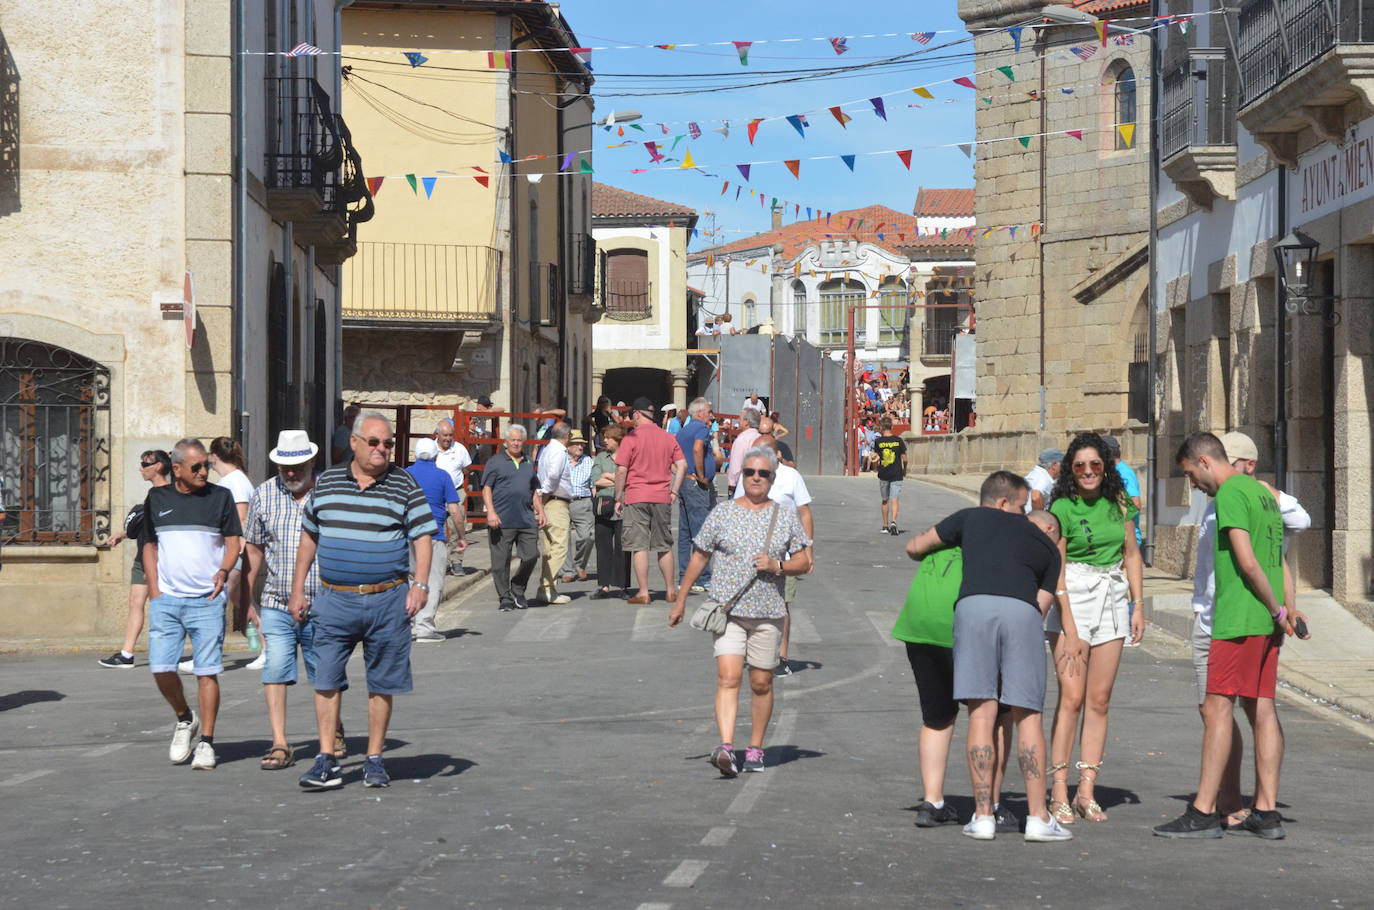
pixel 1199 107
pixel 627 300
pixel 305 147
pixel 582 265
pixel 426 282
pixel 1277 38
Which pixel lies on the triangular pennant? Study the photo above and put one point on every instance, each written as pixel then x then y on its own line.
pixel 967 149
pixel 878 107
pixel 965 81
pixel 584 166
pixel 1008 72
pixel 743 170
pixel 498 60
pixel 796 121
pixel 1077 134
pixel 687 161
pixel 840 115
pixel 374 184
pixel 737 191
pixel 485 181
pixel 567 161
pixel 1127 132
pixel 794 165
pixel 987 100
pixel 1101 28
pixel 924 92
pixel 1013 231
pixel 1024 140
pixel 429 185
pixel 694 131
pixel 1015 32
pixel 742 48
pixel 666 47
pixel 848 160
pixel 654 155
pixel 676 139
pixel 808 213
pixel 754 128
pixel 922 37
pixel 636 126
pixel 724 186
pixel 905 155
pixel 723 130
pixel 414 185
pixel 583 55
pixel 416 58
pixel 1183 23
pixel 505 159
pixel 839 44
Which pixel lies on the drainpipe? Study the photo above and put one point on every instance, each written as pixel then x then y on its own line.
pixel 1151 442
pixel 1281 348
pixel 337 314
pixel 240 227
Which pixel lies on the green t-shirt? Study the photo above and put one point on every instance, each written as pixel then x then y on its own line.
pixel 1094 530
pixel 928 616
pixel 1243 502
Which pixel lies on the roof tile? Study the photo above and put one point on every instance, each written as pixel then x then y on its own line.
pixel 946 203
pixel 613 202
pixel 798 235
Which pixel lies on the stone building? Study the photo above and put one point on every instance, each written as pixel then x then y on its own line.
pixel 130 183
pixel 1267 126
pixel 475 278
pixel 1063 149
pixel 640 344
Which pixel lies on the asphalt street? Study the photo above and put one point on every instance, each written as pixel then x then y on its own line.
pixel 557 758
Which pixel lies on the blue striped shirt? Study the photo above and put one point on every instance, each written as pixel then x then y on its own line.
pixel 580 477
pixel 363 534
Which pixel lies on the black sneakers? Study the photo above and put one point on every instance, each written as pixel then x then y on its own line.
pixel 1260 824
pixel 1007 822
pixel 927 816
pixel 117 661
pixel 1193 823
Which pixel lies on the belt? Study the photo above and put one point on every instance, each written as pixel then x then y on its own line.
pixel 364 589
pixel 576 498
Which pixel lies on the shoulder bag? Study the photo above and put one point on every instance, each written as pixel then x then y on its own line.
pixel 712 615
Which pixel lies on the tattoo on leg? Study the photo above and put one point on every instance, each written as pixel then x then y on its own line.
pixel 982 759
pixel 1029 762
pixel 982 798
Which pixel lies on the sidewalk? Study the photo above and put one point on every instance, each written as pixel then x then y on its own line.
pixel 1335 665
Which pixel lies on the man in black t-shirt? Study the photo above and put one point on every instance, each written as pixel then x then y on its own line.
pixel 1011 568
pixel 891 453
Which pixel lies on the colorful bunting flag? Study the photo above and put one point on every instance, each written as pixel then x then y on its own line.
pixel 839 45
pixel 676 139
pixel 905 155
pixel 797 121
pixel 636 126
pixel 374 184
pixel 1101 28
pixel 567 161
pixel 583 55
pixel 498 60
pixel 584 166
pixel 724 186
pixel 924 93
pixel 794 165
pixel 481 176
pixel 666 47
pixel 414 186
pixel 849 162
pixel 754 128
pixel 1015 32
pixel 429 185
pixel 967 149
pixel 744 171
pixel 416 58
pixel 505 159
pixel 1077 134
pixel 723 130
pixel 1024 140
pixel 737 191
pixel 1083 51
pixel 1183 23
pixel 694 131
pixel 878 107
pixel 1007 71
pixel 304 49
pixel 922 37
pixel 965 81
pixel 654 155
pixel 687 161
pixel 1127 132
pixel 742 48
pixel 840 115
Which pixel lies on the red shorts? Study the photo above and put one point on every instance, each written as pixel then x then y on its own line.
pixel 1248 667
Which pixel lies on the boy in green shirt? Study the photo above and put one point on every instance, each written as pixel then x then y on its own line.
pixel 1248 626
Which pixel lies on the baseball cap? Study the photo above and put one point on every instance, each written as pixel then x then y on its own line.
pixel 426 449
pixel 1238 445
pixel 645 405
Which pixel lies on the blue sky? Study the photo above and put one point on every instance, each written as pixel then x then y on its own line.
pixel 825 184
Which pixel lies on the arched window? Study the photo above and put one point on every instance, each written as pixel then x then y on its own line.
pixel 54 445
pixel 1125 108
pixel 750 307
pixel 836 298
pixel 799 309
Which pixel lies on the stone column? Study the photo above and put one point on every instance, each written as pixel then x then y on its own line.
pixel 1352 531
pixel 680 387
pixel 598 382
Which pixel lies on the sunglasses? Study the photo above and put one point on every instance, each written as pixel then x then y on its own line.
pixel 1087 467
pixel 374 442
pixel 198 467
pixel 148 464
pixel 758 472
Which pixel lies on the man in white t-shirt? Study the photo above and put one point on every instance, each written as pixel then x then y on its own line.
pixel 1041 479
pixel 754 403
pixel 788 489
pixel 453 457
pixel 1243 454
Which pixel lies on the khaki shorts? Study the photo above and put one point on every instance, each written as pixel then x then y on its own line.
pixel 757 640
pixel 648 527
pixel 1202 648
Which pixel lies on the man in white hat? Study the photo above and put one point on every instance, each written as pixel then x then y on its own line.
pixel 273 534
pixel 445 503
pixel 454 458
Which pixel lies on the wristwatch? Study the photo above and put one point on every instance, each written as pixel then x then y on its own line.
pixel 421 585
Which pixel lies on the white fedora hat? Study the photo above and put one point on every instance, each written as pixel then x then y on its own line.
pixel 293 447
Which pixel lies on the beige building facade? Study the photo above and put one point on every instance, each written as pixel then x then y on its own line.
pixel 475 277
pixel 118 205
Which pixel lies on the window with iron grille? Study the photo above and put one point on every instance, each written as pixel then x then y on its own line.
pixel 892 321
pixel 836 298
pixel 54 445
pixel 625 291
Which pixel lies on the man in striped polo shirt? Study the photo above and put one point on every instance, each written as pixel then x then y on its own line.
pixel 361 524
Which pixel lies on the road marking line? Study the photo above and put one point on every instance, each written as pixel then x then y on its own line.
pixel 755 784
pixel 652 625
pixel 803 630
pixel 103 750
pixel 24 778
pixel 718 837
pixel 539 625
pixel 882 624
pixel 686 874
pixel 654 907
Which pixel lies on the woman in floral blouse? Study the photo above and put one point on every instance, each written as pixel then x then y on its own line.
pixel 747 574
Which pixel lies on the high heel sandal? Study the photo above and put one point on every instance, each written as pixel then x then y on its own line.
pixel 1088 810
pixel 1059 810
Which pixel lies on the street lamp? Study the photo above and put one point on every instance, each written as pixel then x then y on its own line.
pixel 615 117
pixel 1297 258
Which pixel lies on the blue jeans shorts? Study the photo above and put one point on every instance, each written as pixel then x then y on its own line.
pixel 281 636
pixel 172 619
pixel 342 619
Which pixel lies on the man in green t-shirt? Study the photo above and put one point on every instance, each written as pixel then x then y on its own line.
pixel 1248 626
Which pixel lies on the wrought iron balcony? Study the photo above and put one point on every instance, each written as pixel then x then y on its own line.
pixel 1198 130
pixel 304 147
pixel 581 265
pixel 421 286
pixel 627 301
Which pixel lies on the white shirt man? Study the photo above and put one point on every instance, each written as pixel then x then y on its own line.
pixel 453 456
pixel 788 488
pixel 755 404
pixel 1041 479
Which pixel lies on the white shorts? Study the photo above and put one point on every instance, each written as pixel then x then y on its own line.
pixel 1098 598
pixel 756 640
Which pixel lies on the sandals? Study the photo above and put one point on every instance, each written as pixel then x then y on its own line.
pixel 1059 810
pixel 277 758
pixel 1088 809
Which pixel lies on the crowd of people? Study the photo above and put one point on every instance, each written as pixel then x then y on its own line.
pixel 358 554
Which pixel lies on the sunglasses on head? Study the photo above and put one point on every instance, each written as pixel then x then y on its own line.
pixel 1085 467
pixel 760 472
pixel 374 442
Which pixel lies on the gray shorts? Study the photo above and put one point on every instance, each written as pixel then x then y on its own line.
pixel 1202 647
pixel 648 527
pixel 999 651
pixel 889 489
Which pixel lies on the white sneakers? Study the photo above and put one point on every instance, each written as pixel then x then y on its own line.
pixel 981 827
pixel 205 758
pixel 187 666
pixel 1043 832
pixel 984 827
pixel 182 736
pixel 258 662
